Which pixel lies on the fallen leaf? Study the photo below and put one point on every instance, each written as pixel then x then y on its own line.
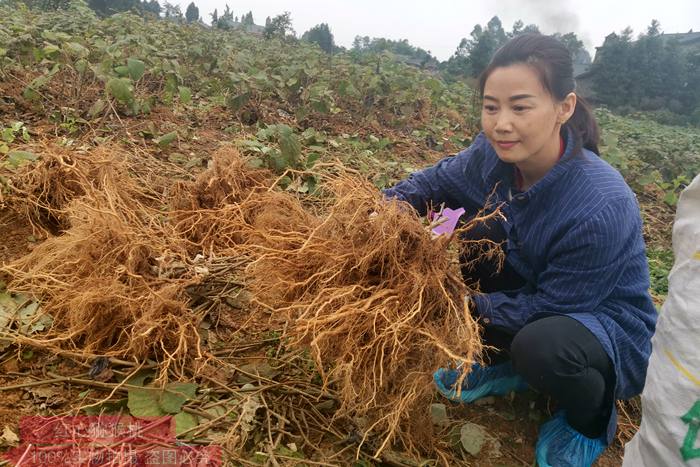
pixel 472 438
pixel 261 369
pixel 438 414
pixel 248 410
pixel 8 437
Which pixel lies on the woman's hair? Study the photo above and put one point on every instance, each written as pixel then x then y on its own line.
pixel 552 62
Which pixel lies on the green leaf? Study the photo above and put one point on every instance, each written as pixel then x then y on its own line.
pixel 17 158
pixel 185 94
pixel 184 422
pixel 140 377
pixel 76 50
pixel 107 407
pixel 122 71
pixel 136 68
pixel 120 89
pixel 97 107
pixel 176 394
pixel 7 309
pixel 8 135
pixel 143 402
pixel 671 198
pixel 235 103
pixel 166 139
pixel 81 66
pixel 289 145
pixel 31 321
pixel 50 49
pixel 311 159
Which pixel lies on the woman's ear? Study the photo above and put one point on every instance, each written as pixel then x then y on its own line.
pixel 567 107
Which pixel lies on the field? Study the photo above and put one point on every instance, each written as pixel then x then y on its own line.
pixel 157 182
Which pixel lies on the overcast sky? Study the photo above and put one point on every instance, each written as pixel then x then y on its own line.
pixel 439 25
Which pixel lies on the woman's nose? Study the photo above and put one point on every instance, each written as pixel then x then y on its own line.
pixel 503 123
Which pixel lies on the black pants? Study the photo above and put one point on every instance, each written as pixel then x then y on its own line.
pixel 556 355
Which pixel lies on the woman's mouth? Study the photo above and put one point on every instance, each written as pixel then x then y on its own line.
pixel 506 144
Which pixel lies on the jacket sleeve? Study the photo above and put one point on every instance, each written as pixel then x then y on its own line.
pixel 441 183
pixel 583 268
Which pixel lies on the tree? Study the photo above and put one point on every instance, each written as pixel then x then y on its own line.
pixel 321 35
pixel 192 13
pixel 473 55
pixel 578 52
pixel 152 7
pixel 226 19
pixel 279 26
pixel 520 28
pixel 611 69
pixel 48 5
pixel 247 19
pixel 214 17
pixel 105 8
pixel 172 12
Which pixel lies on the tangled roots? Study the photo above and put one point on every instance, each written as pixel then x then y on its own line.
pixel 379 302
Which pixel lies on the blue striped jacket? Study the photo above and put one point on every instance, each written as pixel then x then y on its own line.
pixel 575 236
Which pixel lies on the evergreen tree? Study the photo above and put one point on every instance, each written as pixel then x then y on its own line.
pixel 105 8
pixel 247 19
pixel 611 69
pixel 279 26
pixel 473 55
pixel 321 35
pixel 172 12
pixel 192 13
pixel 214 17
pixel 520 28
pixel 648 87
pixel 151 7
pixel 226 20
pixel 578 52
pixel 48 5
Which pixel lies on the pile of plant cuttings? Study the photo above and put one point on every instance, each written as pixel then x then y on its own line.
pixel 148 268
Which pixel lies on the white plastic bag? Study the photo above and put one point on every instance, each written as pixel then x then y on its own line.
pixel 669 434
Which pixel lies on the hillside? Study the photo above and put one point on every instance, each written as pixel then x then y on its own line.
pixel 100 114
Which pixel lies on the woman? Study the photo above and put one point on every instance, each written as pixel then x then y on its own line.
pixel 570 313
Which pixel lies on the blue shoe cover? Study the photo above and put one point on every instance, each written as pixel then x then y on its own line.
pixel 497 380
pixel 559 445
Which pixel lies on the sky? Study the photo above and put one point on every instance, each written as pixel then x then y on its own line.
pixel 439 25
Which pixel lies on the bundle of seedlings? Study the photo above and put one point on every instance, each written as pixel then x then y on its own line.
pixel 378 300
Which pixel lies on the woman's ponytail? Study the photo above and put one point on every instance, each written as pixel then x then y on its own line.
pixel 584 126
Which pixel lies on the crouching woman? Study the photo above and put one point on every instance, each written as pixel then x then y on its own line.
pixel 569 313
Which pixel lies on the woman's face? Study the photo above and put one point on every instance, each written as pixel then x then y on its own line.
pixel 520 118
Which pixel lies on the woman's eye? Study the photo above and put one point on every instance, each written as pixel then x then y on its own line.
pixel 519 108
pixel 490 108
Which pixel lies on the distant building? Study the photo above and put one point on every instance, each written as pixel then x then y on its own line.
pixel 689 41
pixel 430 64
